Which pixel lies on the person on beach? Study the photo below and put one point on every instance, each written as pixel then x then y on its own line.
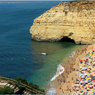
pixel 84 83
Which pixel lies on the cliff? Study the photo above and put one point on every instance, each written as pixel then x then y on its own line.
pixel 74 20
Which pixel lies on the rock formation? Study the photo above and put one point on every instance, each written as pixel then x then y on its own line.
pixel 74 20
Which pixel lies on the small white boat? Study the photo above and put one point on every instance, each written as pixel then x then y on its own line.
pixel 44 53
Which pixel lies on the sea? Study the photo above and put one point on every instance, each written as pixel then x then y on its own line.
pixel 19 55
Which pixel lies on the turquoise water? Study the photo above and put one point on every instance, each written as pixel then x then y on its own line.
pixel 56 53
pixel 19 55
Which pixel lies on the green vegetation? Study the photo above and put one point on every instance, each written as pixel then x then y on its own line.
pixel 20 86
pixel 34 88
pixel 6 90
pixel 21 80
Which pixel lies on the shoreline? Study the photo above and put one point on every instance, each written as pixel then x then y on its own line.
pixel 51 89
pixel 65 79
pixel 64 83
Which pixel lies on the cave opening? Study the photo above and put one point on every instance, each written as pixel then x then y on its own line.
pixel 66 39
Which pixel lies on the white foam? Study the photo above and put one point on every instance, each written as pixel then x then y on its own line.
pixel 72 55
pixel 60 70
pixel 51 91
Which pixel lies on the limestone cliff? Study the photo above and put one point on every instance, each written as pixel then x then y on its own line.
pixel 75 20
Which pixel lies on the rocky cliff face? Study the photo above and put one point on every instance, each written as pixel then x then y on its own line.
pixel 74 20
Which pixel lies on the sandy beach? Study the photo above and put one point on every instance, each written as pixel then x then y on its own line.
pixel 70 81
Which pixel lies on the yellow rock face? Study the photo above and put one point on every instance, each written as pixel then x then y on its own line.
pixel 75 20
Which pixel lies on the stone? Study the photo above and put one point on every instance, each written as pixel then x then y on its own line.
pixel 74 20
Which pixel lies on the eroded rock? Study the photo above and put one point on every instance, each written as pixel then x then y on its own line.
pixel 75 20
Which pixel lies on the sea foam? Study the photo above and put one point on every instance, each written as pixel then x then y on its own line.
pixel 60 70
pixel 52 90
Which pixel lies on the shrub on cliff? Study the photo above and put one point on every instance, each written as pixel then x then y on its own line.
pixel 33 85
pixel 22 80
pixel 29 84
pixel 6 90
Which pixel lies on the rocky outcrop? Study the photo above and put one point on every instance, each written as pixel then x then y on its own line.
pixel 75 20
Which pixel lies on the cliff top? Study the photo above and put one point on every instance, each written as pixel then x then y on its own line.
pixel 65 7
pixel 76 18
pixel 79 5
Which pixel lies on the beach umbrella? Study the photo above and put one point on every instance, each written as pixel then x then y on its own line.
pixel 94 92
pixel 88 89
pixel 77 70
pixel 80 74
pixel 89 80
pixel 86 81
pixel 90 86
pixel 92 51
pixel 81 61
pixel 81 91
pixel 85 74
pixel 91 75
pixel 82 69
pixel 83 84
pixel 93 78
pixel 85 68
pixel 76 85
pixel 77 88
pixel 83 77
pixel 89 67
pixel 86 65
pixel 93 64
pixel 93 71
pixel 85 61
pixel 93 89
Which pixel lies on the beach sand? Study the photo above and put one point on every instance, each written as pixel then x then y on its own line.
pixel 64 83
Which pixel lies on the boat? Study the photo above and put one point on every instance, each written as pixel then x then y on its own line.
pixel 44 53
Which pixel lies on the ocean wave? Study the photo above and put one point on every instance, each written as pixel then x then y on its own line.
pixel 72 55
pixel 52 90
pixel 60 70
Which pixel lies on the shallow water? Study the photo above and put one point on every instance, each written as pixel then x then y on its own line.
pixel 19 55
pixel 56 53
